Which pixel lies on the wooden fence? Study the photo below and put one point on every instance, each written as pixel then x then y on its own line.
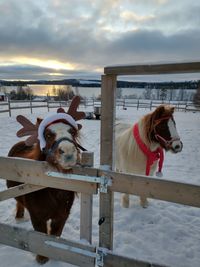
pixel 89 181
pixel 30 104
pixel 125 103
pixel 37 175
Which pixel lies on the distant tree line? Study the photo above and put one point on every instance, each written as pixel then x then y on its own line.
pixel 22 93
pixel 97 83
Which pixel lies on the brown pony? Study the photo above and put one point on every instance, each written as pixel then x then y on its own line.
pixel 55 140
pixel 139 148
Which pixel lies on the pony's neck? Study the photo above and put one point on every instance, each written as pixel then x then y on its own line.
pixel 152 145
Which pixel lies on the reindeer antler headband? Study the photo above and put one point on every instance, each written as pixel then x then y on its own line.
pixel 36 131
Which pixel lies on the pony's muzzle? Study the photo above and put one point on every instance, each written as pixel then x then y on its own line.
pixel 177 146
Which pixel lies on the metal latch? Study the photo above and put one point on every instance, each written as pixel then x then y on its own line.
pixel 103 181
pixel 100 254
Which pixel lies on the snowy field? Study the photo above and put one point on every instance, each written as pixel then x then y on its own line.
pixel 164 233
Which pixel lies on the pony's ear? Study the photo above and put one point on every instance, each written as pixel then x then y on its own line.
pixel 159 112
pixel 39 120
pixel 171 110
pixel 79 126
pixel 162 111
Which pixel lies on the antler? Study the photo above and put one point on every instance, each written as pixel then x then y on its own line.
pixel 72 111
pixel 28 129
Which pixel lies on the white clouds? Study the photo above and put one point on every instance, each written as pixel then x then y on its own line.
pixel 92 34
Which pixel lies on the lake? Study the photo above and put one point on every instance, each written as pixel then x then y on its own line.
pixel 89 92
pixel 43 90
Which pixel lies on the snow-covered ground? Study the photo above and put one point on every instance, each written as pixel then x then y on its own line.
pixel 164 233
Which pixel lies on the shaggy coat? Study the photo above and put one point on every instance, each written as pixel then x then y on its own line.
pixel 129 157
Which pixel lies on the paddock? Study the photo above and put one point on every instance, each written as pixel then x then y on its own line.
pixel 74 252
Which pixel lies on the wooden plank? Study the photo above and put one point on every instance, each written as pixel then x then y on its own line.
pixel 182 193
pixel 147 69
pixel 85 171
pixel 35 172
pixel 39 106
pixel 87 159
pixel 86 217
pixel 108 95
pixel 19 190
pixel 113 260
pixel 20 107
pixel 5 110
pixel 49 246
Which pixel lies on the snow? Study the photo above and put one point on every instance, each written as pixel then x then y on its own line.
pixel 165 233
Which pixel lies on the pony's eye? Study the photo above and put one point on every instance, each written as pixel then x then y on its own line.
pixel 49 135
pixel 61 151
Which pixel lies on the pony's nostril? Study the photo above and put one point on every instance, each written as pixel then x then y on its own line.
pixel 69 157
pixel 177 147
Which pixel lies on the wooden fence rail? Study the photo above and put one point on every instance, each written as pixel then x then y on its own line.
pixel 35 176
pixel 87 103
pixel 49 246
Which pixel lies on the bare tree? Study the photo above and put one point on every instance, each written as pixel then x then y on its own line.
pixel 64 93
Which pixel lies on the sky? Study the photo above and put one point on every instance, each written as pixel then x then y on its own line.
pixel 57 39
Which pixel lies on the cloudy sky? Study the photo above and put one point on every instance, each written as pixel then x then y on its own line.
pixel 56 39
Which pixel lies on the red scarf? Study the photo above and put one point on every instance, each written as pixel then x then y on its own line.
pixel 152 156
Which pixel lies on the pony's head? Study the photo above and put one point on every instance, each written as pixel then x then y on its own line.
pixel 56 136
pixel 161 128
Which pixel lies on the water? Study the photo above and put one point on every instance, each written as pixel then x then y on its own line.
pixel 43 90
pixel 88 92
pixel 83 91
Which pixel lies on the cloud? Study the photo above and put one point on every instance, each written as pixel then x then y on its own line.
pixel 93 34
pixel 33 72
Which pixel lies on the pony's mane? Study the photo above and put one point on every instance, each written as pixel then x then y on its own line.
pixel 149 120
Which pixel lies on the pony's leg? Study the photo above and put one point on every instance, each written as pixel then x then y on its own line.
pixel 125 200
pixel 19 210
pixel 54 227
pixel 57 226
pixel 143 201
pixel 40 226
pixel 51 227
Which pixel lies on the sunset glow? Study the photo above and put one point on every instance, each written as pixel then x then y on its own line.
pixel 52 64
pixel 77 39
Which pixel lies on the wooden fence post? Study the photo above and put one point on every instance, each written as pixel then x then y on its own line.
pixel 86 202
pixel 9 107
pixel 124 103
pixel 151 102
pixel 31 105
pixel 48 104
pixel 108 95
pixel 138 104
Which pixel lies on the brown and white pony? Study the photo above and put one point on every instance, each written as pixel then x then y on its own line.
pixel 139 148
pixel 55 140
